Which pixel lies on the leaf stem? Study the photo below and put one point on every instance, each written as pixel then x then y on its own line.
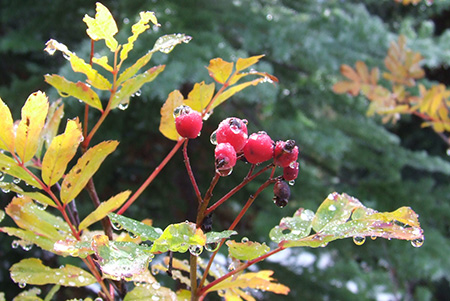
pixel 187 163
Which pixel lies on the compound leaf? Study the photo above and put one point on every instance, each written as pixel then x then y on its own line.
pixel 200 96
pixel 6 126
pixel 167 124
pixel 220 70
pixel 37 196
pixel 29 237
pixel 102 27
pixel 9 166
pixel 28 132
pixel 242 64
pixel 32 271
pixel 93 77
pixel 85 168
pixel 178 238
pixel 246 250
pixel 145 232
pixel 106 207
pixel 133 69
pixel 61 150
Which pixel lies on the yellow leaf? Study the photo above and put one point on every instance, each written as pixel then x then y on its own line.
pixel 220 70
pixel 103 27
pixel 233 90
pixel 106 207
pixel 60 152
pixel 200 96
pixel 102 61
pixel 94 78
pixel 242 64
pixel 167 124
pixel 54 116
pixel 6 126
pixel 137 29
pixel 28 132
pixel 85 168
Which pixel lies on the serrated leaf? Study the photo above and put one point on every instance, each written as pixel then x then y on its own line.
pixel 29 216
pixel 78 90
pixel 93 77
pixel 137 29
pixel 244 63
pixel 246 250
pixel 145 232
pixel 37 196
pixel 167 124
pixel 32 271
pixel 220 70
pixel 9 166
pixel 134 84
pixel 85 168
pixel 178 238
pixel 30 237
pixel 121 260
pixel 103 27
pixel 6 126
pixel 62 149
pixel 259 280
pixel 167 43
pixel 28 132
pixel 104 209
pixel 200 96
pixel 212 237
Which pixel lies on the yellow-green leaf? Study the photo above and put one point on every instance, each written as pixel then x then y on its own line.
pixel 178 238
pixel 6 126
pixel 34 113
pixel 106 207
pixel 235 89
pixel 242 64
pixel 167 124
pixel 54 116
pixel 32 271
pixel 103 62
pixel 133 69
pixel 137 29
pixel 94 78
pixel 220 70
pixel 78 90
pixel 133 85
pixel 60 152
pixel 10 167
pixel 246 250
pixel 43 200
pixel 103 27
pixel 200 96
pixel 167 43
pixel 29 237
pixel 85 168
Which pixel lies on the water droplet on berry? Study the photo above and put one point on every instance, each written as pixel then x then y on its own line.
pixel 359 240
pixel 213 138
pixel 183 109
pixel 122 106
pixel 195 250
pixel 212 247
pixel 417 243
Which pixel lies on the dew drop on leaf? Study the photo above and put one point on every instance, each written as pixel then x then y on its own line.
pixel 2 176
pixel 417 243
pixel 15 244
pixel 41 206
pixel 195 250
pixel 359 240
pixel 156 285
pixel 123 106
pixel 116 226
pixel 244 240
pixel 212 247
pixel 332 208
pixel 22 284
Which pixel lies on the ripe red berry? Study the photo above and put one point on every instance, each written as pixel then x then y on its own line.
pixel 258 148
pixel 188 122
pixel 232 130
pixel 225 158
pixel 285 153
pixel 290 172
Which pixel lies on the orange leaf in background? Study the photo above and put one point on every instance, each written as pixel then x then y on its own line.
pixel 358 77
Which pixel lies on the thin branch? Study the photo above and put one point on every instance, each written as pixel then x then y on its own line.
pixel 187 163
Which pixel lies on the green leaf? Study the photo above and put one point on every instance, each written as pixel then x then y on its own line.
pixel 342 216
pixel 32 271
pixel 145 232
pixel 121 260
pixel 246 250
pixel 28 132
pixel 37 196
pixel 212 237
pixel 220 70
pixel 28 237
pixel 10 167
pixel 200 96
pixel 78 90
pixel 62 149
pixel 73 247
pixel 103 27
pixel 134 84
pixel 178 238
pixel 106 207
pixel 167 43
pixel 148 292
pixel 29 295
pixel 167 124
pixel 133 69
pixel 2 215
pixel 293 228
pixel 85 168
pixel 137 29
pixel 6 124
pixel 52 293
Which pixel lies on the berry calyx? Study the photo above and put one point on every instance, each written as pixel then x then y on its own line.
pixel 225 158
pixel 188 122
pixel 281 192
pixel 290 172
pixel 258 148
pixel 285 153
pixel 231 130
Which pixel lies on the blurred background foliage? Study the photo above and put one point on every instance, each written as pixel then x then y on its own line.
pixel 304 42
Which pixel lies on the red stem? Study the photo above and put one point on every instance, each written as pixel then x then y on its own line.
pixel 190 172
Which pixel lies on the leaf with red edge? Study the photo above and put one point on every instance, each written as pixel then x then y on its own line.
pixel 243 63
pixel 220 70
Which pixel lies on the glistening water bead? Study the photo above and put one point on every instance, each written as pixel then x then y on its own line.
pixel 417 243
pixel 359 240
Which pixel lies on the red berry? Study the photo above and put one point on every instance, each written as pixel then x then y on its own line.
pixel 188 122
pixel 259 148
pixel 225 157
pixel 232 130
pixel 285 153
pixel 290 172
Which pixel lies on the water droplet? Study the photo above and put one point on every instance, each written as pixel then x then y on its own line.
pixel 244 240
pixel 116 226
pixel 123 106
pixel 359 240
pixel 212 247
pixel 448 151
pixel 27 247
pixel 22 284
pixel 133 235
pixel 269 17
pixel 417 243
pixel 14 244
pixel 224 172
pixel 195 250
pixel 183 109
pixel 373 237
pixel 155 298
pixel 332 208
pixel 41 206
pixel 156 285
pixel 126 21
pixel 2 176
pixel 213 138
pixel 98 299
pixel 291 182
pixel 5 190
pixel 138 93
